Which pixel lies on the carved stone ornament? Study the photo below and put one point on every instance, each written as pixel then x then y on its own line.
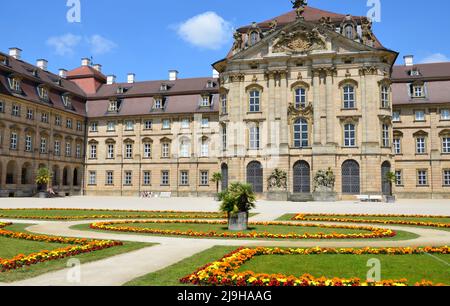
pixel 299 6
pixel 305 112
pixel 300 41
pixel 237 46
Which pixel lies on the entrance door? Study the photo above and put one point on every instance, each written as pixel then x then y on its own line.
pixel 386 186
pixel 351 178
pixel 302 177
pixel 224 177
pixel 255 176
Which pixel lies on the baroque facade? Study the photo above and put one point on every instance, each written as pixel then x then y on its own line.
pixel 302 92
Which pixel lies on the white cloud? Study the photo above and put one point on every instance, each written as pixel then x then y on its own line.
pixel 207 30
pixel 64 44
pixel 435 58
pixel 100 45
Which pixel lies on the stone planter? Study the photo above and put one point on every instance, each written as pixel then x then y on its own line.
pixel 277 196
pixel 390 199
pixel 238 222
pixel 42 195
pixel 324 194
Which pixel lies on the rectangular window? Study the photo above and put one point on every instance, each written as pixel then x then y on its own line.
pixel 158 104
pixel 58 120
pixel 254 103
pixel 147 150
pixel 445 114
pixel 128 151
pixel 44 117
pixel 224 104
pixel 93 127
pixel 166 124
pixel 385 136
pixel 79 126
pixel 349 97
pixel 147 178
pixel 165 179
pixel 418 91
pixel 184 178
pixel 165 150
pixel 420 145
pixel 110 151
pixel 399 178
pixel 30 114
pixel 224 138
pixel 57 148
pixel 349 135
pixel 185 124
pixel 109 178
pixel 254 138
pixel 93 154
pixel 129 125
pixel 204 178
pixel 43 146
pixel 2 107
pixel 420 115
pixel 13 142
pixel 300 98
pixel 28 143
pixel 385 101
pixel 204 149
pixel 68 149
pixel 111 126
pixel 396 117
pixel 446 175
pixel 397 146
pixel 16 110
pixel 69 123
pixel 92 178
pixel 446 144
pixel 205 123
pixel 148 124
pixel 128 178
pixel 422 177
pixel 78 150
pixel 206 101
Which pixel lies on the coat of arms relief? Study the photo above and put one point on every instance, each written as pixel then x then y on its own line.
pixel 300 41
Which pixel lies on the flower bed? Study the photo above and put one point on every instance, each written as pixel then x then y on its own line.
pixel 224 272
pixel 80 246
pixel 133 214
pixel 345 218
pixel 114 226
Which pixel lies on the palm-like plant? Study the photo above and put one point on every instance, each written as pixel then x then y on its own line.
pixel 43 177
pixel 238 198
pixel 217 178
pixel 390 178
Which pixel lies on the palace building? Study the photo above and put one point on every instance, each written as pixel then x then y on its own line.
pixel 306 91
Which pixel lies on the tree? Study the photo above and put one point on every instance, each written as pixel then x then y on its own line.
pixel 390 178
pixel 43 177
pixel 217 178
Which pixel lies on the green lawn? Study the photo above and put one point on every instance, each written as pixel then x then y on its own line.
pixel 415 268
pixel 288 217
pixel 11 247
pixel 170 276
pixel 280 229
pixel 84 214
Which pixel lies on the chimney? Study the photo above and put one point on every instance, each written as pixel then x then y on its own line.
pixel 15 52
pixel 111 79
pixel 42 64
pixel 409 60
pixel 97 67
pixel 131 78
pixel 85 62
pixel 215 74
pixel 173 75
pixel 62 73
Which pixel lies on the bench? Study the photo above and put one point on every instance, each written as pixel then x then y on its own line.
pixel 370 198
pixel 165 195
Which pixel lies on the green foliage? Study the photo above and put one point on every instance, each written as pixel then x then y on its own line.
pixel 325 179
pixel 43 177
pixel 217 178
pixel 278 179
pixel 390 177
pixel 238 198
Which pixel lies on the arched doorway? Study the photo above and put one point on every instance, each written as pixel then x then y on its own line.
pixel 26 177
pixel 224 169
pixel 302 177
pixel 66 176
pixel 11 173
pixel 255 176
pixel 56 176
pixel 351 177
pixel 385 184
pixel 75 177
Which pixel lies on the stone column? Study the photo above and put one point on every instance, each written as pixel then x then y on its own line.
pixel 316 105
pixel 330 111
pixel 283 105
pixel 271 110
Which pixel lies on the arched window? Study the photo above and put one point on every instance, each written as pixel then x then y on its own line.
pixel 254 103
pixel 349 135
pixel 301 133
pixel 349 31
pixel 254 38
pixel 349 96
pixel 255 176
pixel 300 97
pixel 350 177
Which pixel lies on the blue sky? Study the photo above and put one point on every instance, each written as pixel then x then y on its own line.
pixel 151 37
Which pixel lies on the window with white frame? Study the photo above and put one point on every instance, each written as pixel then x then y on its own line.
pixel 446 144
pixel 349 96
pixel 418 91
pixel 185 123
pixel 93 127
pixel 254 137
pixel 385 136
pixel 57 148
pixel 28 143
pixel 13 141
pixel 43 93
pixel 204 178
pixel 93 151
pixel 43 147
pixel 69 123
pixel 113 106
pixel 92 178
pixel 184 148
pixel 204 148
pixel 224 137
pixel 254 103
pixel 349 135
pixel 445 114
pixel 396 117
pixel 147 150
pixel 205 123
pixel 184 178
pixel 57 120
pixel 44 117
pixel 421 145
pixel 109 178
pixel 14 84
pixel 147 177
pixel 385 96
pixel 348 31
pixel 166 124
pixel 78 150
pixel 148 124
pixel 128 178
pixel 165 178
pixel 158 103
pixel 446 177
pixel 419 115
pixel 300 97
pixel 79 126
pixel 15 110
pixel 422 177
pixel 224 100
pixel 206 101
pixel 111 126
pixel 30 114
pixel 68 149
pixel 301 133
pixel 165 150
pixel 398 178
pixel 110 151
pixel 67 101
pixel 129 125
pixel 129 151
pixel 397 144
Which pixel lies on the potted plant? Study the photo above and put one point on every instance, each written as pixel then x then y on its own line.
pixel 390 178
pixel 237 201
pixel 277 185
pixel 217 178
pixel 324 182
pixel 43 179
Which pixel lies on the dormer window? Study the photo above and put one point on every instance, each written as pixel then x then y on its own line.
pixel 67 100
pixel 164 87
pixel 3 60
pixel 121 90
pixel 210 84
pixel 14 84
pixel 254 38
pixel 114 106
pixel 206 101
pixel 418 91
pixel 159 104
pixel 349 31
pixel 414 72
pixel 43 93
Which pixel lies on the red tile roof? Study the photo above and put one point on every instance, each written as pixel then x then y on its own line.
pixel 427 71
